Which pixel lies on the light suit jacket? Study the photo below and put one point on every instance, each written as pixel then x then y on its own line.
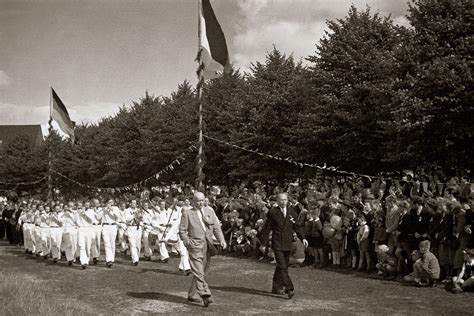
pixel 191 231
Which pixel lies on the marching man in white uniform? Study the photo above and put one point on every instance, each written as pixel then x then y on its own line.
pixel 44 238
pixel 56 232
pixel 134 231
pixel 122 228
pixel 86 218
pixel 147 229
pixel 27 220
pixel 95 248
pixel 161 220
pixel 171 238
pixel 110 219
pixel 70 223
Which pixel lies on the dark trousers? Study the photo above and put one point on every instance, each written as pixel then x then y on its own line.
pixel 281 278
pixel 2 229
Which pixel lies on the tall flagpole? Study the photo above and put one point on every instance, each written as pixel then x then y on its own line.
pixel 200 173
pixel 50 149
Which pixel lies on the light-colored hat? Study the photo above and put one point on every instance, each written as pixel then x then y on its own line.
pixel 382 249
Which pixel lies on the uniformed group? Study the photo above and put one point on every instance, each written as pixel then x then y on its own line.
pixel 77 230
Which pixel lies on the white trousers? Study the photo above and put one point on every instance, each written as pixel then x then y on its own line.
pixel 135 241
pixel 163 250
pixel 56 235
pixel 28 236
pixel 183 252
pixel 122 238
pixel 35 234
pixel 70 242
pixel 84 239
pixel 109 234
pixel 147 250
pixel 45 240
pixel 95 248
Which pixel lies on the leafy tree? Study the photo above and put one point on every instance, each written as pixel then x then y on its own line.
pixel 350 93
pixel 434 98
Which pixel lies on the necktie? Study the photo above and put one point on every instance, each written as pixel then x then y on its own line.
pixel 283 210
pixel 201 217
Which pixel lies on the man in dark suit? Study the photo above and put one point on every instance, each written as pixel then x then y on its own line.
pixel 282 221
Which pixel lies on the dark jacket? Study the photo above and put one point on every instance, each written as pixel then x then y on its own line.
pixel 282 228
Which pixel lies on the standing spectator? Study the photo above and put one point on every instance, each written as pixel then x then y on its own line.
pixel 404 240
pixel 364 243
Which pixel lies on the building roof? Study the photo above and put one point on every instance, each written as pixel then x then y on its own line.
pixel 9 132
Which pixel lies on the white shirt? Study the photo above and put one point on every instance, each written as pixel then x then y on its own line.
pixel 86 218
pixel 69 219
pixel 110 215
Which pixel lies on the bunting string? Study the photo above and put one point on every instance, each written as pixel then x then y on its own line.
pixel 24 183
pixel 137 185
pixel 301 165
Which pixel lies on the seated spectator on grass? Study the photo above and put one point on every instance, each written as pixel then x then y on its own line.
pixel 385 262
pixel 426 268
pixel 465 280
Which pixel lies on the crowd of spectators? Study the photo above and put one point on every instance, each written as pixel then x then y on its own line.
pixel 408 229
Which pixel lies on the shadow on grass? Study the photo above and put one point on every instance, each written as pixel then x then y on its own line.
pixel 162 271
pixel 164 297
pixel 245 290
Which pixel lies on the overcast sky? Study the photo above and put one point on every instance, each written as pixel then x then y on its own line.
pixel 101 54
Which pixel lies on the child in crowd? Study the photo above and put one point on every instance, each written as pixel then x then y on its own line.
pixel 316 240
pixel 380 233
pixel 426 269
pixel 297 255
pixel 385 262
pixel 465 280
pixel 364 243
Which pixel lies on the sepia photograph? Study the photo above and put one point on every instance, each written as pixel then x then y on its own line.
pixel 236 157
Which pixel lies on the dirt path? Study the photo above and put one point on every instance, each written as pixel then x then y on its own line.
pixel 238 286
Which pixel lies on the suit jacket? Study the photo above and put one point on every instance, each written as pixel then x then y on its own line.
pixel 282 228
pixel 191 231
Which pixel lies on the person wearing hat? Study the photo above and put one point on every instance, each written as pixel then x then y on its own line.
pixel 281 221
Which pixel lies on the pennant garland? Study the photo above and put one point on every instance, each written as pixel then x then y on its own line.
pixel 324 167
pixel 137 185
pixel 24 183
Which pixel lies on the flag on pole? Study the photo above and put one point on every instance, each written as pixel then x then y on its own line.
pixel 213 56
pixel 60 115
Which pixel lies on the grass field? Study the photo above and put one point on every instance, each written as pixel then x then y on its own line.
pixel 31 286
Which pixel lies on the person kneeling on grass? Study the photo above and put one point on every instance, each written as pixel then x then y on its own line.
pixel 386 263
pixel 426 269
pixel 465 280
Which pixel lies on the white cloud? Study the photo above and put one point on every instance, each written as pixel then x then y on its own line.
pixel 295 26
pixel 5 80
